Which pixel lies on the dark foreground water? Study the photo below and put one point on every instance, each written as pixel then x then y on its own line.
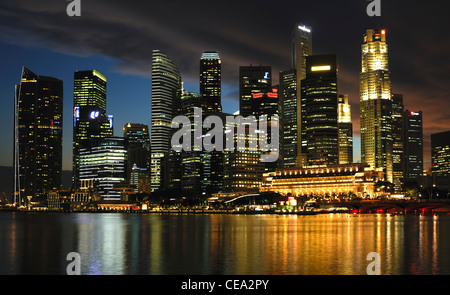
pixel 128 244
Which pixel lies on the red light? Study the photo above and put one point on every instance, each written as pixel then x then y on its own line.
pixel 275 90
pixel 272 95
pixel 257 95
pixel 383 32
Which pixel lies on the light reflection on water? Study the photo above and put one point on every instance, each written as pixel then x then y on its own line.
pixel 117 244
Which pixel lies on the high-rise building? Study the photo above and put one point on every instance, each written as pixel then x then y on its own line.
pixel 252 79
pixel 138 146
pixel 301 49
pixel 38 135
pixel 103 167
pixel 398 142
pixel 413 146
pixel 345 131
pixel 440 157
pixel 91 122
pixel 211 81
pixel 166 87
pixel 376 104
pixel 288 117
pixel 320 110
pixel 243 169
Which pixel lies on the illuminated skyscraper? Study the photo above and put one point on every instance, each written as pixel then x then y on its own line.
pixel 345 131
pixel 288 117
pixel 301 48
pixel 440 157
pixel 91 122
pixel 166 86
pixel 398 142
pixel 413 150
pixel 320 110
pixel 376 104
pixel 252 79
pixel 211 81
pixel 103 167
pixel 138 146
pixel 38 135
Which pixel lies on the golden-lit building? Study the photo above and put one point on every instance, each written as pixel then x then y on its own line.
pixel 376 104
pixel 320 181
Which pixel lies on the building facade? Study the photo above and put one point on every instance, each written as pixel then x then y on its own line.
pixel 252 80
pixel 38 132
pixel 138 146
pixel 288 117
pixel 301 49
pixel 166 86
pixel 90 120
pixel 103 167
pixel 398 142
pixel 376 104
pixel 320 110
pixel 345 131
pixel 440 157
pixel 413 149
pixel 324 181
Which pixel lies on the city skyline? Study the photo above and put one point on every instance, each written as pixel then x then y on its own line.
pixel 66 63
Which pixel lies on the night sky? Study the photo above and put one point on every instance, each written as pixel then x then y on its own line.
pixel 117 38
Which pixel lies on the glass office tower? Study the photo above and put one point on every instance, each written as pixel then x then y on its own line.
pixel 376 104
pixel 252 79
pixel 320 110
pixel 301 49
pixel 413 150
pixel 345 131
pixel 166 87
pixel 211 81
pixel 138 146
pixel 90 121
pixel 37 135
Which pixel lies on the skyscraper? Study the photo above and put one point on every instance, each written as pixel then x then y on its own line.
pixel 413 146
pixel 91 123
pixel 301 48
pixel 252 79
pixel 376 104
pixel 398 142
pixel 440 157
pixel 320 110
pixel 288 117
pixel 166 86
pixel 138 146
pixel 103 167
pixel 38 135
pixel 211 81
pixel 345 131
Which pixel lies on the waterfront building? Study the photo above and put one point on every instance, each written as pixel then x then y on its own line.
pixel 376 104
pixel 38 132
pixel 90 120
pixel 398 142
pixel 211 81
pixel 252 80
pixel 288 117
pixel 320 110
pixel 345 131
pixel 166 88
pixel 301 49
pixel 210 94
pixel 138 146
pixel 103 167
pixel 413 150
pixel 140 180
pixel 440 157
pixel 324 181
pixel 243 170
